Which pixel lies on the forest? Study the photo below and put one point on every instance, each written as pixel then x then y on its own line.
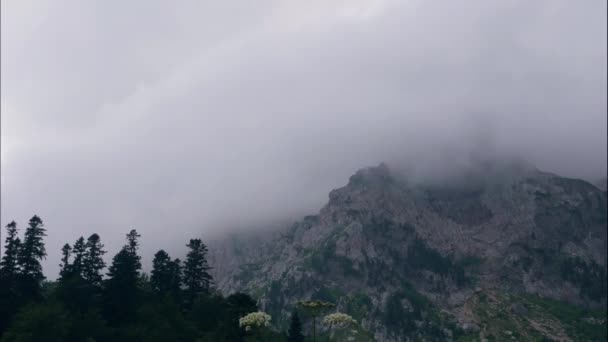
pixel 90 302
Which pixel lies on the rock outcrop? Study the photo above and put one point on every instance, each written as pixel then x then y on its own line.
pixel 405 258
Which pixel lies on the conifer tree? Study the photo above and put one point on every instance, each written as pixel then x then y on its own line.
pixel 9 271
pixel 133 244
pixel 79 252
pixel 121 291
pixel 175 269
pixel 9 266
pixel 196 276
pixel 295 329
pixel 161 272
pixel 30 254
pixel 64 267
pixel 93 260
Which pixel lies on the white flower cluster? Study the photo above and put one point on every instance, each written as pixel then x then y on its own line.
pixel 255 320
pixel 339 319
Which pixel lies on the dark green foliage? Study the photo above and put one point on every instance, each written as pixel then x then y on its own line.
pixel 121 288
pixel 93 262
pixel 575 318
pixel 47 322
pixel 31 252
pixel 295 329
pixel 408 313
pixel 79 252
pixel 589 276
pixel 422 257
pixel 8 265
pixel 326 261
pixel 196 276
pixel 359 305
pixel 127 306
pixel 65 267
pixel 166 274
pixel 9 270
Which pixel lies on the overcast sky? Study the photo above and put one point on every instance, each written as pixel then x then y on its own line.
pixel 184 118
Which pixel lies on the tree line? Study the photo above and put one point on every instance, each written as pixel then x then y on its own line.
pixel 177 301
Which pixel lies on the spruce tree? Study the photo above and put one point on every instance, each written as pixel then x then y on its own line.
pixel 9 266
pixel 121 290
pixel 93 260
pixel 64 267
pixel 9 271
pixel 133 244
pixel 79 252
pixel 30 254
pixel 196 276
pixel 161 272
pixel 175 269
pixel 295 329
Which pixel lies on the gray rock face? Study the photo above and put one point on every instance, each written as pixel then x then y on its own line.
pixel 385 250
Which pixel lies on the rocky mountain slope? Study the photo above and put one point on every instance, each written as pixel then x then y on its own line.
pixel 412 260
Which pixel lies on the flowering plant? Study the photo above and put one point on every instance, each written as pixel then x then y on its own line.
pixel 339 319
pixel 255 320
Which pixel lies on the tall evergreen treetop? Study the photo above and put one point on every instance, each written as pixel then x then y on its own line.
pixel 9 266
pixel 166 274
pixel 126 264
pixel 79 252
pixel 132 243
pixel 93 260
pixel 161 272
pixel 196 276
pixel 64 267
pixel 121 290
pixel 32 250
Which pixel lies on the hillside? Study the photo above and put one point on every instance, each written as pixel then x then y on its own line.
pixel 499 250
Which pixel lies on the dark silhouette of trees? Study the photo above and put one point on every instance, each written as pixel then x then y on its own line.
pixel 79 252
pixel 175 270
pixel 93 262
pixel 64 266
pixel 295 329
pixel 125 306
pixel 31 252
pixel 166 274
pixel 9 266
pixel 9 270
pixel 196 276
pixel 121 288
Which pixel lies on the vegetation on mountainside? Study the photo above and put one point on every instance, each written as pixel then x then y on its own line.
pixel 498 316
pixel 176 303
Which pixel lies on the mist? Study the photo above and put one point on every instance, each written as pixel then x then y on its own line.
pixel 202 118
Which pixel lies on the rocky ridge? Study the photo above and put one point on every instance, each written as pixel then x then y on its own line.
pixel 406 259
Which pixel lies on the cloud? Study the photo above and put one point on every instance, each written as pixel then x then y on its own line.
pixel 188 120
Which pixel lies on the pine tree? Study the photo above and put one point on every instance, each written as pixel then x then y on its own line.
pixel 79 251
pixel 175 269
pixel 121 290
pixel 196 276
pixel 93 260
pixel 9 266
pixel 64 267
pixel 30 254
pixel 133 244
pixel 161 272
pixel 295 329
pixel 9 271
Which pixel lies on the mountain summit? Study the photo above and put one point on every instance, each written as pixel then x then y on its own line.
pixel 434 259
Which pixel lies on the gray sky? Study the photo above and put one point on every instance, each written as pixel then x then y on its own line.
pixel 184 118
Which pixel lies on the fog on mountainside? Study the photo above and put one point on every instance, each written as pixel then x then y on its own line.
pixel 282 169
pixel 200 119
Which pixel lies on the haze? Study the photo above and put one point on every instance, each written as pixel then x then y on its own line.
pixel 190 118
